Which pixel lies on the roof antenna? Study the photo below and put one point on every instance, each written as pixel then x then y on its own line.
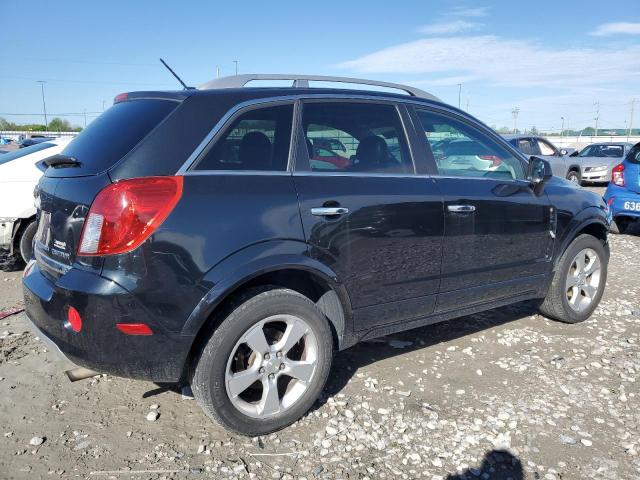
pixel 176 75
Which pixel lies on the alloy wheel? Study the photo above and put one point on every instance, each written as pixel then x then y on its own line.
pixel 271 366
pixel 583 279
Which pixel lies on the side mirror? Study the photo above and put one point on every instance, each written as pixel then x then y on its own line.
pixel 563 152
pixel 538 173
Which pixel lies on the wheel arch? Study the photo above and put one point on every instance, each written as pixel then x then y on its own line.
pixel 295 271
pixel 595 226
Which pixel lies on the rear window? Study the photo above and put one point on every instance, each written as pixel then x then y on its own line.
pixel 16 154
pixel 634 155
pixel 113 134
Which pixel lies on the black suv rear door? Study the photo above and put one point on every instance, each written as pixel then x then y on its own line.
pixel 365 211
pixel 498 233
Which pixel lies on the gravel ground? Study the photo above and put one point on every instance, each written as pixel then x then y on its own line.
pixel 503 394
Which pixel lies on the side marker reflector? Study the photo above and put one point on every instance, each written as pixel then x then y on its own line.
pixel 134 328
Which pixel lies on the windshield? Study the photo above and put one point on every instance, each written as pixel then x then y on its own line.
pixel 603 151
pixel 8 157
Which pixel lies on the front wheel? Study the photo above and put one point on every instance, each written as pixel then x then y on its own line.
pixel 266 364
pixel 578 281
pixel 574 177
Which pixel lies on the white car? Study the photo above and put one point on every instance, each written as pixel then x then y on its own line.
pixel 20 171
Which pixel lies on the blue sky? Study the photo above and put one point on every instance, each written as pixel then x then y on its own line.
pixel 551 59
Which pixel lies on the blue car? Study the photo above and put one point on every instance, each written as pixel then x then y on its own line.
pixel 623 193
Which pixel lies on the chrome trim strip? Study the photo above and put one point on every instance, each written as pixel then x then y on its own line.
pixel 195 173
pixel 50 262
pixel 327 211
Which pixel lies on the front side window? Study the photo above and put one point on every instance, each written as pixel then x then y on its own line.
pixel 258 139
pixel 461 150
pixel 355 137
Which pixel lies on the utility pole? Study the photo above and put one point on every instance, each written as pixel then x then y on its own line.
pixel 85 117
pixel 44 104
pixel 236 62
pixel 562 128
pixel 459 93
pixel 597 105
pixel 467 104
pixel 514 114
pixel 633 104
pixel 217 71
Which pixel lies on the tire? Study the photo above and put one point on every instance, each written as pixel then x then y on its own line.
pixel 574 177
pixel 556 304
pixel 213 374
pixel 26 241
pixel 619 226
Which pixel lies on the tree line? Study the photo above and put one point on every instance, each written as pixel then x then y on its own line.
pixel 55 125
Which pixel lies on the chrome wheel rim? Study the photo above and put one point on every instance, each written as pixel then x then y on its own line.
pixel 271 366
pixel 573 178
pixel 583 279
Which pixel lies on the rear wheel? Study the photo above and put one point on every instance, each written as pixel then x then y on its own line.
pixel 26 241
pixel 574 177
pixel 266 363
pixel 578 282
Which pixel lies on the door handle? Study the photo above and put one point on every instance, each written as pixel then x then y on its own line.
pixel 328 211
pixel 461 208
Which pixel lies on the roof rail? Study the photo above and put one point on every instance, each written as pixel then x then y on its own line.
pixel 302 81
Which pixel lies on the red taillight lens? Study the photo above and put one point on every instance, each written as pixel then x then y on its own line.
pixel 134 328
pixel 493 158
pixel 125 214
pixel 617 175
pixel 74 320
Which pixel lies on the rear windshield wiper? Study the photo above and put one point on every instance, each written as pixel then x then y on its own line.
pixel 61 161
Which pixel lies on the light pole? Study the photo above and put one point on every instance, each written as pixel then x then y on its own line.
pixel 514 114
pixel 459 93
pixel 44 105
pixel 236 63
pixel 562 128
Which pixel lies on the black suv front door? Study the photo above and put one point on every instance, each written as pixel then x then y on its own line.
pixel 365 212
pixel 498 233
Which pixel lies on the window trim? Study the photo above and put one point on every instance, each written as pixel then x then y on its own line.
pixel 303 167
pixel 433 167
pixel 221 128
pixel 407 103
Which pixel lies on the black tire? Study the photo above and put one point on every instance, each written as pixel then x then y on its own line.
pixel 574 177
pixel 208 377
pixel 555 304
pixel 26 241
pixel 619 226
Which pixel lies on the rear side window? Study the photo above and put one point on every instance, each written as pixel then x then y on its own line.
pixel 355 137
pixel 16 154
pixel 258 139
pixel 525 146
pixel 114 134
pixel 634 155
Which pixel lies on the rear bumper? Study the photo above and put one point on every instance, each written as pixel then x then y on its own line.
pixel 99 345
pixel 620 199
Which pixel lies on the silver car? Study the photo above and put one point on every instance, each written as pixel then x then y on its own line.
pixel 597 160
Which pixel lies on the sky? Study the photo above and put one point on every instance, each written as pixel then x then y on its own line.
pixel 551 59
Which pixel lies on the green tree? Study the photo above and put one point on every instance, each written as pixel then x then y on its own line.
pixel 59 125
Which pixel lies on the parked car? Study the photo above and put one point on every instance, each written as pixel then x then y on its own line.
pixel 597 160
pixel 27 142
pixel 244 277
pixel 562 164
pixel 322 154
pixel 623 193
pixel 20 171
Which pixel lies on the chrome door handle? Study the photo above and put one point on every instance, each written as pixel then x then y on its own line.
pixel 328 211
pixel 461 208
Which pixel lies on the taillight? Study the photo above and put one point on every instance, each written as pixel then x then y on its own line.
pixel 121 97
pixel 493 158
pixel 126 213
pixel 617 175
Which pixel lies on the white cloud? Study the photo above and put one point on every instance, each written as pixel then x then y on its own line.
pixel 455 26
pixel 617 28
pixel 502 62
pixel 470 11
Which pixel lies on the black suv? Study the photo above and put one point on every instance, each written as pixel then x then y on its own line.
pixel 193 237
